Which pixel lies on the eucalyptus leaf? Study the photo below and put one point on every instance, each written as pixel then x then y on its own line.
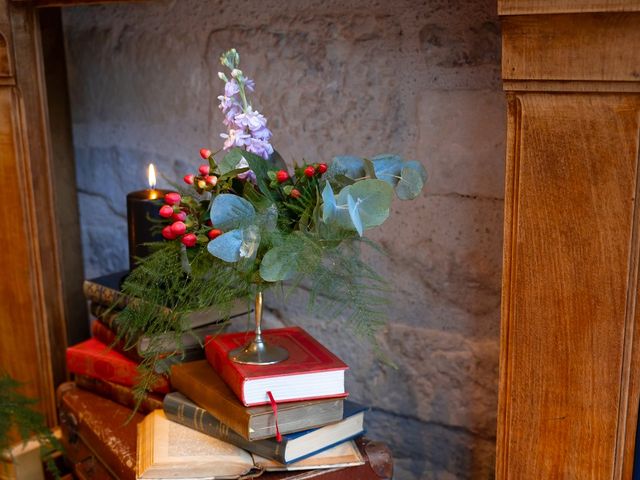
pixel 278 264
pixel 417 166
pixel 227 246
pixel 411 182
pixel 387 168
pixel 354 214
pixel 230 211
pixel 348 165
pixel 329 203
pixel 373 198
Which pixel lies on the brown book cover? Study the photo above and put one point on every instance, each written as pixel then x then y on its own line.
pixel 199 382
pixel 119 393
pixel 108 429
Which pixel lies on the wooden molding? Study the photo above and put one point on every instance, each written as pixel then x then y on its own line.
pixel 538 7
pixel 592 47
pixel 68 3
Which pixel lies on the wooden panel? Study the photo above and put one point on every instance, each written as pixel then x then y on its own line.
pixel 23 346
pixel 32 314
pixel 523 7
pixel 586 47
pixel 569 286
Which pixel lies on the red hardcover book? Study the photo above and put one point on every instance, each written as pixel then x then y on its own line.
pixel 104 334
pixel 97 360
pixel 311 371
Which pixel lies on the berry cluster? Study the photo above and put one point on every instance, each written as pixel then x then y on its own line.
pixel 305 173
pixel 176 209
pixel 203 182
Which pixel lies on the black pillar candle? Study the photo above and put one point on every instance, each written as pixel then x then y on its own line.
pixel 143 209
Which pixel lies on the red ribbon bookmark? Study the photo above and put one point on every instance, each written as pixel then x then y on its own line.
pixel 274 407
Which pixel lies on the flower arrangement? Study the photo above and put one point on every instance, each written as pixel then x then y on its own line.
pixel 245 222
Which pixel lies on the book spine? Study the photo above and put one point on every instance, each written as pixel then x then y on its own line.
pixel 106 335
pixel 108 316
pixel 222 365
pixel 228 412
pixel 201 420
pixel 113 368
pixel 102 295
pixel 118 393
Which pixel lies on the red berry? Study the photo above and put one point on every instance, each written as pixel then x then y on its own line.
pixel 295 193
pixel 216 232
pixel 178 228
pixel 211 180
pixel 282 176
pixel 168 233
pixel 172 198
pixel 166 211
pixel 188 179
pixel 205 154
pixel 309 171
pixel 179 217
pixel 204 169
pixel 322 168
pixel 189 240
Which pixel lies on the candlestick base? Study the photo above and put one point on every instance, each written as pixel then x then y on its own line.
pixel 259 353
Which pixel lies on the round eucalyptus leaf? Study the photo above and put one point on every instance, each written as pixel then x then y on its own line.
pixel 372 199
pixel 387 168
pixel 410 184
pixel 278 264
pixel 230 211
pixel 348 165
pixel 227 246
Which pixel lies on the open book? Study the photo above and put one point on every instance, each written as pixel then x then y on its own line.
pixel 168 450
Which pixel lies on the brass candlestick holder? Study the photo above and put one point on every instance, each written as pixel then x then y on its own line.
pixel 257 352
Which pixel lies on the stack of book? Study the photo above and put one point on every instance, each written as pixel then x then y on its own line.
pixel 108 366
pixel 215 418
pixel 240 418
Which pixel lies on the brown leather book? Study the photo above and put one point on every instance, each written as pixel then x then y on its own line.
pixel 101 425
pixel 119 393
pixel 199 382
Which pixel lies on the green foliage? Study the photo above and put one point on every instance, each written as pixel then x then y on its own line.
pixel 169 284
pixel 17 411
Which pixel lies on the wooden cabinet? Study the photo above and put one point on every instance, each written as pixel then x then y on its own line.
pixel 570 361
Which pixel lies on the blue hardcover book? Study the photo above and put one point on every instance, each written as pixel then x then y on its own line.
pixel 292 448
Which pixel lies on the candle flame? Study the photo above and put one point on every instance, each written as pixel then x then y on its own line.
pixel 152 177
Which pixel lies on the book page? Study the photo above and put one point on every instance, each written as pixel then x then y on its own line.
pixel 180 452
pixel 344 455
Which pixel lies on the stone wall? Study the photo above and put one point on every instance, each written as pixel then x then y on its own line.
pixel 416 77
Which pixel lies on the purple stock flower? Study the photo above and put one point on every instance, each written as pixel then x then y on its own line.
pixel 259 147
pixel 246 127
pixel 235 138
pixel 231 88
